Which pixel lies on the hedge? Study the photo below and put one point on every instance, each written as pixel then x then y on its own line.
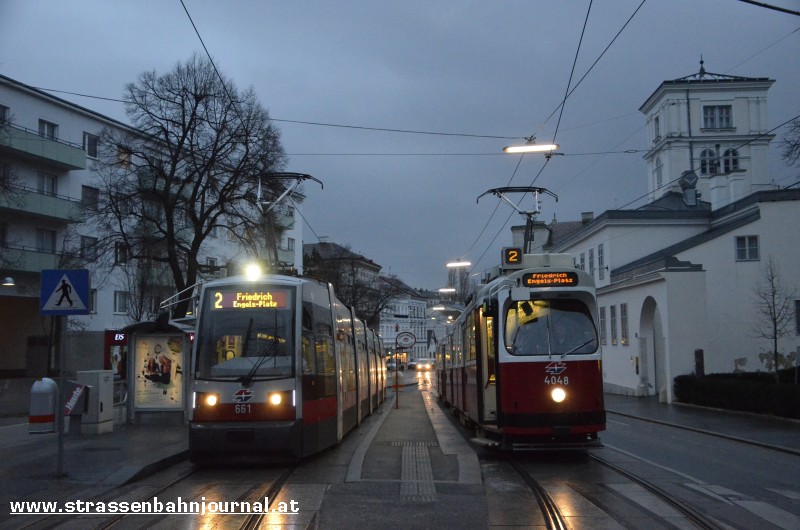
pixel 746 391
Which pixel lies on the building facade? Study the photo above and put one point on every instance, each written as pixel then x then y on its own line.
pixel 48 148
pixel 677 277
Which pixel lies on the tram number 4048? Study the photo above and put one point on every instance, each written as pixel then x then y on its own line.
pixel 242 408
pixel 556 380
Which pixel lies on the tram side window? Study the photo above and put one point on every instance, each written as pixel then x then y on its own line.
pixel 307 344
pixel 309 357
pixel 470 347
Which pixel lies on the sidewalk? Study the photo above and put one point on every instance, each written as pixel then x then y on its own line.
pixel 768 431
pixel 100 462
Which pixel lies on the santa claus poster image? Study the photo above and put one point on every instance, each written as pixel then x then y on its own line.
pixel 159 373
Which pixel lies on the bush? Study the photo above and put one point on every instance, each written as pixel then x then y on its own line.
pixel 750 392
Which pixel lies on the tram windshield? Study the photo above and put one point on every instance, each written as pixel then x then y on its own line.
pixel 549 327
pixel 246 334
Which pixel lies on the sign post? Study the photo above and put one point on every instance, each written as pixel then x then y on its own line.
pixel 63 292
pixel 404 340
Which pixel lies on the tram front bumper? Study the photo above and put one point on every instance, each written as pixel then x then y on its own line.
pixel 277 440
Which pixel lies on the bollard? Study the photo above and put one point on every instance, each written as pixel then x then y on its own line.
pixel 42 416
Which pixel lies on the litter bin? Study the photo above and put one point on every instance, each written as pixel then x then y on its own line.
pixel 42 416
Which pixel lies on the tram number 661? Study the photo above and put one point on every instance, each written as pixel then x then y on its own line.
pixel 556 380
pixel 242 408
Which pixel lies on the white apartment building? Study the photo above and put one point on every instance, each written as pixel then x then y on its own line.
pixel 406 312
pixel 676 277
pixel 47 150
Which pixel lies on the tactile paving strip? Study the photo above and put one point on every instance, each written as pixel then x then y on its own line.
pixel 416 479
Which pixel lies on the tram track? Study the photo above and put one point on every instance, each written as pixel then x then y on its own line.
pixel 693 515
pixel 254 520
pixel 554 517
pixel 194 486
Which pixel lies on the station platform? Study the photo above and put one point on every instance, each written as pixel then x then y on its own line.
pixel 408 462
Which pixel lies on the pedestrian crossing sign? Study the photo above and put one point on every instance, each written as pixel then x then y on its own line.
pixel 64 292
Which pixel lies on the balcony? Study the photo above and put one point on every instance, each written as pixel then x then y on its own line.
pixel 285 256
pixel 26 259
pixel 35 203
pixel 283 221
pixel 30 144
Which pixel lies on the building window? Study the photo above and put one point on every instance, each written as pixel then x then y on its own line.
pixel 123 156
pixel 656 129
pixel 659 172
pixel 623 324
pixel 708 162
pixel 591 262
pixel 613 321
pixel 48 129
pixel 88 247
pixel 45 240
pixel 5 173
pixel 747 248
pixel 90 145
pixel 90 197
pixel 5 115
pixel 603 338
pixel 120 302
pixel 290 244
pixel 48 184
pixel 797 315
pixel 717 117
pixel 601 262
pixel 583 262
pixel 730 160
pixel 121 254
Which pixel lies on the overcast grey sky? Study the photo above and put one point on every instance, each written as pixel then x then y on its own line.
pixel 493 68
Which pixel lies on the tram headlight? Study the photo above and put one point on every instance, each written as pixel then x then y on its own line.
pixel 558 394
pixel 284 398
pixel 206 399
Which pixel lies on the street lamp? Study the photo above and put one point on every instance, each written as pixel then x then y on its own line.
pixel 530 147
pixel 447 290
pixel 458 264
pixel 8 281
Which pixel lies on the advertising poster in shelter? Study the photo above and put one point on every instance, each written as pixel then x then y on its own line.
pixel 159 375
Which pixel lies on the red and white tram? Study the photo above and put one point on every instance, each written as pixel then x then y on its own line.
pixel 280 368
pixel 522 362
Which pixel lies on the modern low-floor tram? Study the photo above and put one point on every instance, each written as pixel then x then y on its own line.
pixel 280 369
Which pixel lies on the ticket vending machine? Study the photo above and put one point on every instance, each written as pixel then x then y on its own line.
pixel 99 416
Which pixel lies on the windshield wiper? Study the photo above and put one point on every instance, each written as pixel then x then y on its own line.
pixel 576 348
pixel 270 351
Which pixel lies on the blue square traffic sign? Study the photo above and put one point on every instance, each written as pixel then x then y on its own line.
pixel 64 292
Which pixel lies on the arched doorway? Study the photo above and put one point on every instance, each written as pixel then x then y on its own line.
pixel 652 367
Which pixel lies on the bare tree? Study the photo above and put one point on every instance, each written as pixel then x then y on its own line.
pixel 791 143
pixel 774 309
pixel 354 284
pixel 191 165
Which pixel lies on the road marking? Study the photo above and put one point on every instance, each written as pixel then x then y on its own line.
pixel 776 516
pixel 790 494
